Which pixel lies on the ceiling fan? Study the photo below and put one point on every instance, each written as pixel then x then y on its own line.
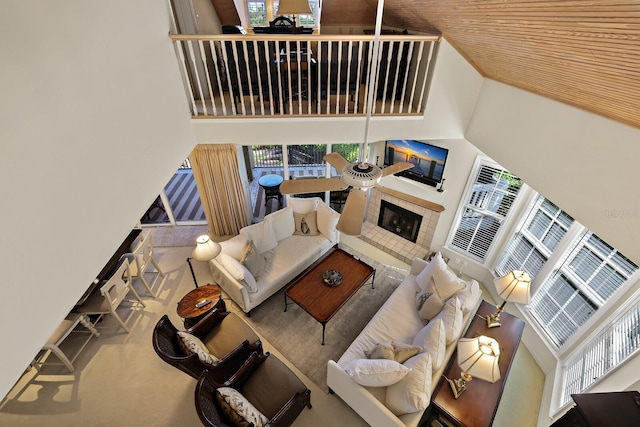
pixel 360 176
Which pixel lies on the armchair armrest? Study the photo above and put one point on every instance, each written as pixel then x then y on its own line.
pixel 207 323
pixel 290 411
pixel 246 369
pixel 231 363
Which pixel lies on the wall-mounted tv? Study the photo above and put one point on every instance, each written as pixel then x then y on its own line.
pixel 428 160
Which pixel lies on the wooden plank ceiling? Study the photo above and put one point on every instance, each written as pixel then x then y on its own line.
pixel 583 53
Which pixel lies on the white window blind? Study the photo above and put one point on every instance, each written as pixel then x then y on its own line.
pixel 589 274
pixel 488 202
pixel 544 227
pixel 608 349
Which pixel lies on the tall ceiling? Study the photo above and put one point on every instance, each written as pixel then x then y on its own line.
pixel 583 53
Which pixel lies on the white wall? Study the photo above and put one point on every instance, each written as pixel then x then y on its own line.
pixel 584 163
pixel 94 122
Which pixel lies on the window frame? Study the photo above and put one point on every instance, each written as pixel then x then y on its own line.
pixel 271 11
pixel 466 200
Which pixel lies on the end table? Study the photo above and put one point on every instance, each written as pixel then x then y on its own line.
pixel 191 307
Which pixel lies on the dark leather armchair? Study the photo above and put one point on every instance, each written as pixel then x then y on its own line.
pixel 266 382
pixel 225 335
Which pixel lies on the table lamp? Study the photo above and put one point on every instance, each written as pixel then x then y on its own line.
pixel 294 7
pixel 205 250
pixel 477 357
pixel 513 287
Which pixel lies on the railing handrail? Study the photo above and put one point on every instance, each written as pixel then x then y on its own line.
pixel 285 75
pixel 304 37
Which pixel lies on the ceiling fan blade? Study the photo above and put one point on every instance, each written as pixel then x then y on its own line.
pixel 337 161
pixel 350 221
pixel 303 186
pixel 396 167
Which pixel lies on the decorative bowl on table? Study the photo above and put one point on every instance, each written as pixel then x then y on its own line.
pixel 332 277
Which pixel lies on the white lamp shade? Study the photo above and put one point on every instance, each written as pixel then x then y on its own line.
pixel 514 287
pixel 294 7
pixel 206 249
pixel 479 357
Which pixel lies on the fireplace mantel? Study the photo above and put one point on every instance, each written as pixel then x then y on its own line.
pixel 391 243
pixel 412 199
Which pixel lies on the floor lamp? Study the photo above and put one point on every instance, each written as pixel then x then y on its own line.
pixel 205 250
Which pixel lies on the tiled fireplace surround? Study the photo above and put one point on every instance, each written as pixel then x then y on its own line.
pixel 391 243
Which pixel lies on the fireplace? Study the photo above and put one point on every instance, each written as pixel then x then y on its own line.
pixel 399 220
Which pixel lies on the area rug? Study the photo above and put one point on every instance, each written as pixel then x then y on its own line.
pixel 177 235
pixel 298 336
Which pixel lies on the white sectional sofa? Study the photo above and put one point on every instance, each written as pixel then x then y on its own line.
pixel 266 256
pixel 385 392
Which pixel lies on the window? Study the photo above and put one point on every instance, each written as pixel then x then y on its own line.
pixel 489 197
pixel 261 12
pixel 589 271
pixel 544 226
pixel 587 277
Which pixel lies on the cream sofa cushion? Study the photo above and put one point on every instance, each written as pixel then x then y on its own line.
pixel 433 340
pixel 376 372
pixel 413 392
pixel 451 316
pixel 282 223
pixel 262 235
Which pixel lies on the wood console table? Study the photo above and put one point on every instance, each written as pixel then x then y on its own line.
pixel 477 405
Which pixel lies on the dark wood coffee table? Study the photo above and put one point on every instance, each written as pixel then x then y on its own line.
pixel 323 301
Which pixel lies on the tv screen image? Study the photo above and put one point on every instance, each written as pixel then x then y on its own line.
pixel 428 160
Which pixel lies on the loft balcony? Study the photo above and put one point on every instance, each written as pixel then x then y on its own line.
pixel 290 75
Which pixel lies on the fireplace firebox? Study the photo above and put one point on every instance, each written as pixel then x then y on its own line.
pixel 399 220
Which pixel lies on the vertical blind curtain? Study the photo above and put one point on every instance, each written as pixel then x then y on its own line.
pixel 215 169
pixel 494 191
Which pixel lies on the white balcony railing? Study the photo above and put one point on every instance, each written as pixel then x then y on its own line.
pixel 293 75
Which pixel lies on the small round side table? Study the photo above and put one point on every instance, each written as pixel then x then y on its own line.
pixel 191 313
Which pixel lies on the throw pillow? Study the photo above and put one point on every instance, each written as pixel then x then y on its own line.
pixel 424 277
pixel 305 224
pixel 413 392
pixel 375 372
pixel 327 220
pixel 239 411
pixel 238 271
pixel 235 247
pixel 433 339
pixel 191 344
pixel 451 316
pixel 303 205
pixel 393 350
pixel 262 235
pixel 254 261
pixel 428 304
pixel 469 296
pixel 282 223
pixel 445 282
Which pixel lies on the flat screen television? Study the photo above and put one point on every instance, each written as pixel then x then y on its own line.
pixel 428 160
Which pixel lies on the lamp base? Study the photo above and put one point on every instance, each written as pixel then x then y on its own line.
pixel 493 320
pixel 459 384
